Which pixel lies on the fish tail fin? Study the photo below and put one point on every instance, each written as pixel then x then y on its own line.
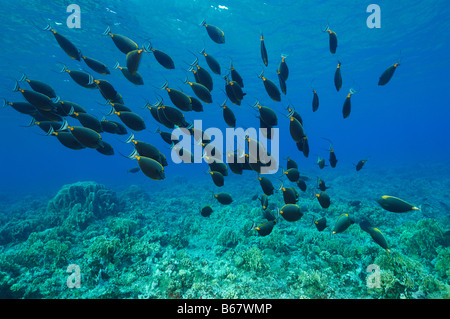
pixel 91 80
pixel 16 87
pixel 133 154
pixel 164 86
pixel 261 75
pixel 281 186
pixel 203 22
pixel 57 99
pixel 64 69
pixel 111 111
pixel 48 28
pixel 23 78
pixel 202 51
pixel 107 31
pixel 5 103
pixel 130 138
pixel 147 46
pixel 64 125
pixel 116 66
pixel 50 131
pixel 32 122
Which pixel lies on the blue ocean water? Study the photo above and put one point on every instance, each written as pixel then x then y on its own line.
pixel 402 127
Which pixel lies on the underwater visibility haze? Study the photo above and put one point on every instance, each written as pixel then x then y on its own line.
pixel 93 203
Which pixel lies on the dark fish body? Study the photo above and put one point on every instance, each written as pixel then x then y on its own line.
pixel 145 149
pixel 200 91
pixel 134 170
pixel 379 238
pixel 89 121
pixel 40 101
pixel 235 76
pixel 113 127
pixel 271 89
pixel 65 44
pixel 163 58
pixel 106 89
pixel 321 185
pixel 290 195
pixel 96 65
pixel 40 87
pixel 266 185
pixel 214 33
pixel 292 174
pixel 268 115
pixel 264 51
pixel 321 163
pixel 123 43
pixel 223 198
pixel 228 116
pixel 324 199
pixel 81 78
pixel 132 120
pixel 68 140
pixel 202 76
pixel 230 93
pixel 360 164
pixel 206 211
pixel 315 102
pixel 283 69
pixel 166 136
pixel 217 178
pixel 266 228
pixel 151 168
pixel 296 130
pixel 196 104
pixel 282 82
pixel 291 163
pixel 174 115
pixel 291 212
pixel 133 60
pixel 338 77
pixel 264 201
pixel 136 78
pixel 22 107
pixel 67 106
pixel 342 223
pixel 163 118
pixel 105 149
pixel 321 223
pixel 301 184
pixel 86 136
pixel 387 74
pixel 237 91
pixel 333 42
pixel 395 205
pixel 178 98
pixel 48 116
pixel 347 107
pixel 212 62
pixel 303 146
pixel 46 126
pixel 333 159
pixel 219 167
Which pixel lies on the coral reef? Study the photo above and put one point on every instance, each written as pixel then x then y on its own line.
pixel 140 244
